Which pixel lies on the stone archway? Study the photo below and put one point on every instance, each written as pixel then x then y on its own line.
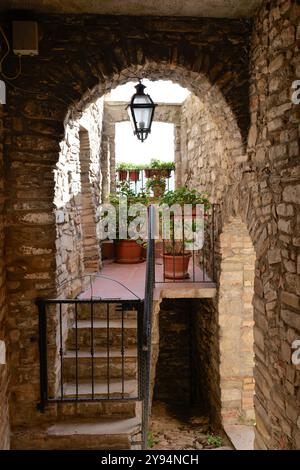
pixel 236 322
pixel 75 79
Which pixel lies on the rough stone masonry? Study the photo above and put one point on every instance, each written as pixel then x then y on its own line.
pixel 242 72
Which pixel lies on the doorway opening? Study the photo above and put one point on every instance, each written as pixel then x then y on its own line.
pixel 186 397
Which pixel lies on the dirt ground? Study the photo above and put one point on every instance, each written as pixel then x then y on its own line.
pixel 183 428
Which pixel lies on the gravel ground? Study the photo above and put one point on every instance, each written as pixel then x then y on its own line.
pixel 181 428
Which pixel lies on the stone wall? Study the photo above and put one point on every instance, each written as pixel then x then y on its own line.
pixel 173 368
pixel 262 188
pixel 273 147
pixel 207 154
pixel 77 196
pixel 82 58
pixel 4 418
pixel 206 357
pixel 114 112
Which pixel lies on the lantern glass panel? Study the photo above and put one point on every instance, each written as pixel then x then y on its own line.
pixel 142 115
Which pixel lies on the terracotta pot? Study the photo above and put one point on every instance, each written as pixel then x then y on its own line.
pixel 122 175
pixel 144 252
pixel 166 173
pixel 108 250
pixel 151 172
pixel 158 190
pixel 134 175
pixel 158 249
pixel 172 215
pixel 128 252
pixel 176 267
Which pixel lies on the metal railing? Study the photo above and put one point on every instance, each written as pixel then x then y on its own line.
pixel 147 327
pixel 90 350
pixel 139 179
pixel 179 262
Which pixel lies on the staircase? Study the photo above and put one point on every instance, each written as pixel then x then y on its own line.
pixel 100 408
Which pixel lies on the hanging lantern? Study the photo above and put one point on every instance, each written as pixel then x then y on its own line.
pixel 141 112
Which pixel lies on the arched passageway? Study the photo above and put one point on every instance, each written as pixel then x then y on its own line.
pixel 79 179
pixel 238 68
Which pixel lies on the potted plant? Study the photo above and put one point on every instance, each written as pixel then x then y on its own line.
pixel 134 172
pixel 166 169
pixel 176 259
pixel 157 184
pixel 143 244
pixel 158 249
pixel 157 168
pixel 107 250
pixel 176 254
pixel 184 195
pixel 152 169
pixel 127 251
pixel 122 171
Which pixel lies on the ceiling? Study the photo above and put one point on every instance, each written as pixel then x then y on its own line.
pixel 196 8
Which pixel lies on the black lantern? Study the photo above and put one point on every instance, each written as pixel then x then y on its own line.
pixel 141 112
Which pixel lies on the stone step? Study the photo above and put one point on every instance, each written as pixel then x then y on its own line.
pixel 117 409
pixel 100 311
pixel 100 333
pixel 101 389
pixel 110 434
pixel 101 363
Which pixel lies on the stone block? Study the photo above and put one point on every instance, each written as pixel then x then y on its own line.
pixel 291 193
pixel 291 318
pixel 285 225
pixel 276 63
pixel 274 256
pixel 259 338
pixel 291 300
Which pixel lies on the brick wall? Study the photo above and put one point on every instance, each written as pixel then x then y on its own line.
pixel 236 322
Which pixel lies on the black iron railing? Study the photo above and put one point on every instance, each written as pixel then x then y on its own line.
pixel 90 350
pixel 147 326
pixel 100 349
pixel 185 261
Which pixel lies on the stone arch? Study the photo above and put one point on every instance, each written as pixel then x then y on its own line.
pixel 198 83
pixel 236 321
pixel 79 72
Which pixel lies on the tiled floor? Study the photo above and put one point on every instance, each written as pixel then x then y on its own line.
pixel 127 281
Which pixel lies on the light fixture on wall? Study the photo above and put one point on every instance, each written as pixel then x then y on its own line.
pixel 141 112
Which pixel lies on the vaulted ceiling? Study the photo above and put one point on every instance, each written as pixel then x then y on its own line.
pixel 196 8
